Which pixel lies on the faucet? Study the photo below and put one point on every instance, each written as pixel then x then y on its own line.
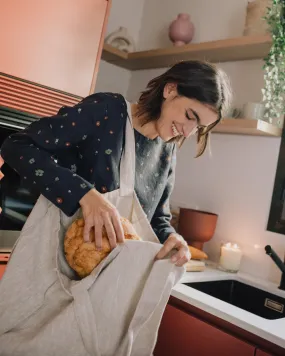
pixel 281 265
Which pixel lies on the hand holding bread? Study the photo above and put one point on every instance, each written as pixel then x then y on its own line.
pixel 83 256
pixel 99 214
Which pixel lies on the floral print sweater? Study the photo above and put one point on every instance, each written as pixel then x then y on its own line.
pixel 66 155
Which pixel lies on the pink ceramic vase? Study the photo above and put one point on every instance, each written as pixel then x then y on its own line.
pixel 181 30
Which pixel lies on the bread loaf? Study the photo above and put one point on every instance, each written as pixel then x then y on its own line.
pixel 83 256
pixel 197 254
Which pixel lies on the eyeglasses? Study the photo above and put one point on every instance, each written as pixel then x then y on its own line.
pixel 204 130
pixel 202 134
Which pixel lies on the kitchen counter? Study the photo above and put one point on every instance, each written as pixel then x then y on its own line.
pixel 271 330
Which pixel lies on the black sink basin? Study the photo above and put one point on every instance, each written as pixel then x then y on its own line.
pixel 244 296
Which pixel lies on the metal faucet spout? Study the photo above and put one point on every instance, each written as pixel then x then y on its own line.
pixel 281 265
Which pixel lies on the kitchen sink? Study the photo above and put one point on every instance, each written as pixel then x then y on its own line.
pixel 244 296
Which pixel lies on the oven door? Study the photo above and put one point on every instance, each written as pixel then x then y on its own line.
pixel 17 199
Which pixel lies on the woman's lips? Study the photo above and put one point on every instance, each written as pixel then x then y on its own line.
pixel 174 130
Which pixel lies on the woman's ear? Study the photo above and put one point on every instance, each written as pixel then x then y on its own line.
pixel 170 90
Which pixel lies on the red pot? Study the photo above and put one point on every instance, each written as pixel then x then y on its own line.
pixel 196 226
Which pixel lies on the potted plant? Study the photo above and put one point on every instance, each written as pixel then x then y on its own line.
pixel 274 67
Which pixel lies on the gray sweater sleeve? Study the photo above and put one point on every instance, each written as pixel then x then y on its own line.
pixel 162 216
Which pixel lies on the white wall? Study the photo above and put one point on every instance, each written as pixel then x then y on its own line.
pixel 213 20
pixel 127 13
pixel 237 181
pixel 112 79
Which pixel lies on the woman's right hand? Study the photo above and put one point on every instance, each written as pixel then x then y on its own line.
pixel 99 212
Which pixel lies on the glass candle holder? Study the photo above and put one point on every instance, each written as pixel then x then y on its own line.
pixel 230 257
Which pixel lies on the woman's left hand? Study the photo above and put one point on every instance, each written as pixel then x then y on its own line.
pixel 176 242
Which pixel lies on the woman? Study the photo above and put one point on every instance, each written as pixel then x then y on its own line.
pixel 74 156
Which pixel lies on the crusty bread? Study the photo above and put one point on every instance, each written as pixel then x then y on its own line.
pixel 82 256
pixel 197 254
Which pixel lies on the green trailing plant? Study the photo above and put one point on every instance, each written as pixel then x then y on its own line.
pixel 274 67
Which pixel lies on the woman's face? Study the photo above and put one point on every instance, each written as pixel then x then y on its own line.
pixel 182 116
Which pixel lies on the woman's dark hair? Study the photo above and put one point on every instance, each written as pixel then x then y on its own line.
pixel 197 80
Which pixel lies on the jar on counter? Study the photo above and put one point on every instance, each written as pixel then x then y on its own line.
pixel 230 257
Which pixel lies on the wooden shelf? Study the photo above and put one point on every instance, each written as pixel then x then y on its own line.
pixel 235 49
pixel 247 127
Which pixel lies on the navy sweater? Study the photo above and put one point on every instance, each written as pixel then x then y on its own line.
pixel 66 155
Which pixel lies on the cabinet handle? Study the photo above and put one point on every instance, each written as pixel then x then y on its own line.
pixel 11 125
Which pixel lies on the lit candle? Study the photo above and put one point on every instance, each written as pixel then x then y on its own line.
pixel 230 258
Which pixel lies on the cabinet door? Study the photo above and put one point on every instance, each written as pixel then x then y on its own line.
pixel 183 334
pixel 4 258
pixel 262 353
pixel 53 43
pixel 2 270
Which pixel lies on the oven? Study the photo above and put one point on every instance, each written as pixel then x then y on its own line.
pixel 17 198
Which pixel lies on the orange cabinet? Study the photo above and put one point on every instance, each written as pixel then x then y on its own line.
pixel 2 270
pixel 4 258
pixel 53 43
pixel 182 334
